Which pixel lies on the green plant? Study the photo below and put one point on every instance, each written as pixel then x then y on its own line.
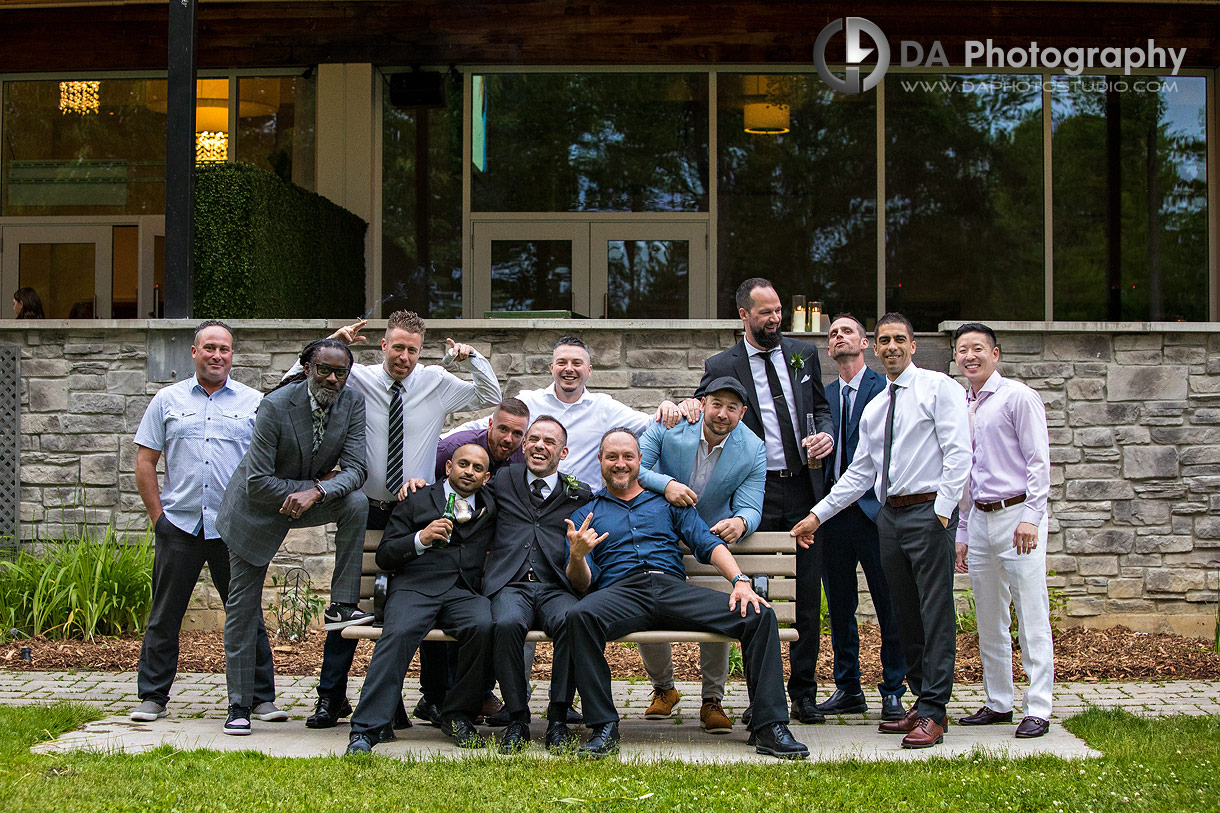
pixel 297 605
pixel 967 617
pixel 737 666
pixel 267 249
pixel 1058 601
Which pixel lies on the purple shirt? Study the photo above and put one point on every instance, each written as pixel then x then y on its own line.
pixel 449 445
pixel 1012 449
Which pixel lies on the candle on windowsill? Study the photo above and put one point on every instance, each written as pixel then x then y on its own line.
pixel 798 314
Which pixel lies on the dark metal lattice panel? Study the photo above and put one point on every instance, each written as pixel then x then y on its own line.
pixel 10 446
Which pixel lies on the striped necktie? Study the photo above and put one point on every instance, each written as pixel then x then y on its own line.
pixel 393 464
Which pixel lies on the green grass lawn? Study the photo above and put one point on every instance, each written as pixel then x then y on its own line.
pixel 1162 764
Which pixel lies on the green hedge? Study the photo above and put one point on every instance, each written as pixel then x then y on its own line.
pixel 267 249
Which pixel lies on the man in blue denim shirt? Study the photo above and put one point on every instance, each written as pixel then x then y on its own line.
pixel 634 568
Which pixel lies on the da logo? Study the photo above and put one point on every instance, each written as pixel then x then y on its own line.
pixel 852 28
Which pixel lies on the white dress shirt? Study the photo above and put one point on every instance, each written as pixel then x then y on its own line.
pixel 931 445
pixel 776 459
pixel 548 483
pixel 705 463
pixel 586 420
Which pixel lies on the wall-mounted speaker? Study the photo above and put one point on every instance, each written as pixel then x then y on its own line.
pixel 417 89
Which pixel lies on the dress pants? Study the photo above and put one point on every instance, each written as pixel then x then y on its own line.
pixel 1000 576
pixel 917 555
pixel 178 558
pixel 244 606
pixel 409 615
pixel 786 502
pixel 651 600
pixel 713 666
pixel 848 539
pixel 517 608
pixel 438 659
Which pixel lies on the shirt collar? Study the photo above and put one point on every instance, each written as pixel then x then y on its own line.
pixel 224 386
pixel 385 379
pixel 754 351
pixel 639 499
pixel 856 380
pixel 705 446
pixel 907 377
pixel 991 385
pixel 551 480
pixel 584 396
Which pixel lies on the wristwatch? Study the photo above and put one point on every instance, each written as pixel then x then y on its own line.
pixel 740 577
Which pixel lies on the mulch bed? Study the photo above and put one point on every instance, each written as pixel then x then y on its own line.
pixel 1080 655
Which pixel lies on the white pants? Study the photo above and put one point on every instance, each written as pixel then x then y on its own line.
pixel 713 663
pixel 1001 577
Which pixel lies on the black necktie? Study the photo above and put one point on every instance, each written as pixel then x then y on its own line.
pixel 393 464
pixel 783 414
pixel 842 446
pixel 536 493
pixel 889 444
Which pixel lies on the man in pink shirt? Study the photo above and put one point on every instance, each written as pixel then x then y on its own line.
pixel 1001 539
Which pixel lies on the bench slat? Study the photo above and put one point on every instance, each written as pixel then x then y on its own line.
pixel 750 563
pixel 649 637
pixel 780 589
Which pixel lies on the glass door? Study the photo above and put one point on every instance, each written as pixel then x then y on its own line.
pixel 69 266
pixel 650 270
pixel 530 267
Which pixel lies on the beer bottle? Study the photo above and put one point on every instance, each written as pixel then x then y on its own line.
pixel 451 515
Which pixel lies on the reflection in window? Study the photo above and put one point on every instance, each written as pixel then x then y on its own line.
pixel 1130 157
pixel 648 279
pixel 620 142
pixel 62 158
pixel 531 275
pixel 964 199
pixel 275 126
pixel 421 249
pixel 799 207
pixel 63 274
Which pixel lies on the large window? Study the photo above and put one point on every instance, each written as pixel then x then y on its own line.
pixel 275 126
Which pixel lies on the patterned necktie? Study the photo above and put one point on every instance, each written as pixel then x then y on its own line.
pixel 319 427
pixel 792 455
pixel 393 458
pixel 844 413
pixel 889 444
pixel 536 492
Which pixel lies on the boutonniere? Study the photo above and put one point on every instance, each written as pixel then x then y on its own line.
pixel 797 361
pixel 572 486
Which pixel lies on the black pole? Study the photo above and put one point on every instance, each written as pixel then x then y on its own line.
pixel 180 163
pixel 1114 202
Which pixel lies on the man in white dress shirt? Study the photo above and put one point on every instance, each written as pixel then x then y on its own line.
pixel 914 451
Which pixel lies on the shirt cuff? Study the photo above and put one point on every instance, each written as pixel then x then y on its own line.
pixel 420 547
pixel 963 535
pixel 1032 515
pixel 944 506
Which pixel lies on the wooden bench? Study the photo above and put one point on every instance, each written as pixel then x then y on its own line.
pixel 771 554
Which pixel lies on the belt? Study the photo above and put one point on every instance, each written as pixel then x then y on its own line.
pixel 786 472
pixel 996 506
pixel 382 504
pixel 907 500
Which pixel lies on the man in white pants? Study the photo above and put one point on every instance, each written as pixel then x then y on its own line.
pixel 1001 540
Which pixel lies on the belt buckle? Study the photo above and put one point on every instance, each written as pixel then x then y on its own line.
pixel 531 576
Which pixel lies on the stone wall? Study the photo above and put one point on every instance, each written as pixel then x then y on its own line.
pixel 1134 413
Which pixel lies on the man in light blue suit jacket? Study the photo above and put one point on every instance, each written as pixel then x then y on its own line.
pixel 719 466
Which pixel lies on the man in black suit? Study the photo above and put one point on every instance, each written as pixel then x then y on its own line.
pixel 525 576
pixel 784 393
pixel 437 569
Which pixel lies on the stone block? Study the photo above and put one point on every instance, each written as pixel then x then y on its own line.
pixel 125 382
pixel 62 473
pixel 96 402
pixel 1141 512
pixel 47 395
pixel 1125 588
pixel 1095 436
pixel 1186 354
pixel 1099 490
pixel 1138 357
pixel 1163 544
pixel 306 542
pixel 1186 435
pixel 1093 470
pixel 1164 382
pixel 1160 490
pixel 99 349
pixel 1083 607
pixel 1146 462
pixel 1086 389
pixel 45 368
pixel 1097 566
pixel 695 358
pixel 1128 606
pixel 110 424
pixel 1061 564
pixel 1131 435
pixel 1080 540
pixel 656 359
pixel 1106 454
pixel 1043 369
pixel 1065 454
pixel 684 381
pixel 1061 436
pixel 1207 527
pixel 79 443
pixel 1173 580
pixel 1138 341
pixel 99 469
pixel 1103 414
pixel 1077 347
pixel 1208 384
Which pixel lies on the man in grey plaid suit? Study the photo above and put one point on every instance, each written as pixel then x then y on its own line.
pixel 287 479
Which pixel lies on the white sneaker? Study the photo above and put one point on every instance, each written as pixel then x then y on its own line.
pixel 269 713
pixel 148 711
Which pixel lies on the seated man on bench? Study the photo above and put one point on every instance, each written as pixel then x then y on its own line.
pixel 635 571
pixel 437 564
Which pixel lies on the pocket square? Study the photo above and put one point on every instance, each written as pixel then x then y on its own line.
pixel 803 380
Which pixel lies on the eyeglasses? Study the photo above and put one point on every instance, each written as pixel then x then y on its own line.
pixel 325 371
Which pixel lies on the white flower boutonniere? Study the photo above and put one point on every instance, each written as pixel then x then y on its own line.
pixel 797 361
pixel 572 486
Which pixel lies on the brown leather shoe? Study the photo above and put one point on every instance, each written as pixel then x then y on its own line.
pixel 662 705
pixel 491 706
pixel 986 716
pixel 903 726
pixel 927 733
pixel 712 718
pixel 1033 727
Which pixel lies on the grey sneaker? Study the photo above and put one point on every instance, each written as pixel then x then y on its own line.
pixel 148 711
pixel 269 713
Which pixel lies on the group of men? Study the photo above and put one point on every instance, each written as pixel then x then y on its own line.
pixel 505 526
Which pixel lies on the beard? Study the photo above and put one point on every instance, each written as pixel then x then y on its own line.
pixel 764 339
pixel 325 398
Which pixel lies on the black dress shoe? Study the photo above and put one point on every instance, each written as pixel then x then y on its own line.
pixel 516 737
pixel 603 743
pixel 462 732
pixel 806 710
pixel 428 712
pixel 1033 727
pixel 747 716
pixel 328 711
pixel 386 734
pixel 575 717
pixel 891 707
pixel 359 743
pixel 559 737
pixel 777 741
pixel 401 720
pixel 986 716
pixel 497 720
pixel 843 703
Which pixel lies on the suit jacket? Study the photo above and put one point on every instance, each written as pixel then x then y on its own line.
pixel 735 488
pixel 436 569
pixel 807 390
pixel 281 460
pixel 872 385
pixel 519 524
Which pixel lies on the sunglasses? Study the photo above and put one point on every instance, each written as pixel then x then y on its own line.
pixel 325 371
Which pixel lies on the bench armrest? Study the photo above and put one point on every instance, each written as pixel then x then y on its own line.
pixel 381 586
pixel 761 583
